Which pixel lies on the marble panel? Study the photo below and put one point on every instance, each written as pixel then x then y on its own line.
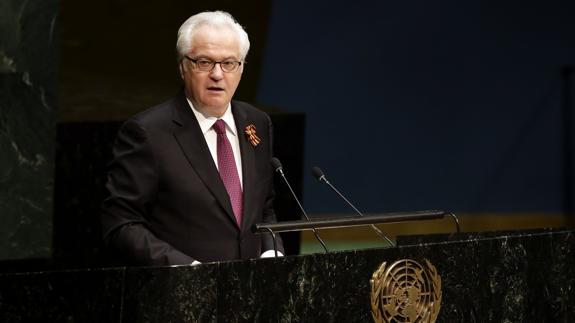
pixel 171 294
pixel 27 100
pixel 66 296
pixel 521 277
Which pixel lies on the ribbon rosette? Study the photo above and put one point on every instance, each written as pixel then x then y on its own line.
pixel 251 135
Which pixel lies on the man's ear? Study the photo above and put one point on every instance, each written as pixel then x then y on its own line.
pixel 182 69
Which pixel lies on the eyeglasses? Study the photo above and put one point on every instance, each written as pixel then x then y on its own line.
pixel 206 65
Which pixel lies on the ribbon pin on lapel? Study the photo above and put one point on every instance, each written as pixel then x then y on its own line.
pixel 251 135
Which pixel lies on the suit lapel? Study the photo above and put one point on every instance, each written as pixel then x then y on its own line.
pixel 191 140
pixel 248 165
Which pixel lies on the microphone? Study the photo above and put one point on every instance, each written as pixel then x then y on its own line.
pixel 319 174
pixel 277 165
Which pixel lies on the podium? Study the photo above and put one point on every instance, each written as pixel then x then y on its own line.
pixel 521 276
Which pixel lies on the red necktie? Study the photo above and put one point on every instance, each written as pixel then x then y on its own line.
pixel 228 170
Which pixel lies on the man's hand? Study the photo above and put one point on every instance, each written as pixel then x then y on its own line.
pixel 271 254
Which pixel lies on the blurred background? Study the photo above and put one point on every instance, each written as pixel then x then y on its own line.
pixel 415 105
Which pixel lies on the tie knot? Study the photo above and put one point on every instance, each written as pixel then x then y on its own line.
pixel 220 127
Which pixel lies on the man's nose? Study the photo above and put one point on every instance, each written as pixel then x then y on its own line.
pixel 217 73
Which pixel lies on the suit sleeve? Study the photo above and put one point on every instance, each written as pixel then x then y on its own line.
pixel 269 215
pixel 132 185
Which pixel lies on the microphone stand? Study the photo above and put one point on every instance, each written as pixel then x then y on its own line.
pixel 321 177
pixel 278 168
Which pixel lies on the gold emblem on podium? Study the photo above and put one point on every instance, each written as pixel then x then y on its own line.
pixel 405 292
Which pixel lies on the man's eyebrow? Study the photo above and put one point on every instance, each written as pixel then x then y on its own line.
pixel 227 58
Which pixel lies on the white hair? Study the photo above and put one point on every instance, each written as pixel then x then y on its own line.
pixel 210 18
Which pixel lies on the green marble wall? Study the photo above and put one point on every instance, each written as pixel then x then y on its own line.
pixel 28 56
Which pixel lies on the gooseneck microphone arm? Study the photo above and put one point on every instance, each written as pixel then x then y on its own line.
pixel 277 165
pixel 318 173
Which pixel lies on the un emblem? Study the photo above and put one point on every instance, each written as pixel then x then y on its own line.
pixel 405 292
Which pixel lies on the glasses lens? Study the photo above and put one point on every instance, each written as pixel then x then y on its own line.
pixel 229 66
pixel 204 65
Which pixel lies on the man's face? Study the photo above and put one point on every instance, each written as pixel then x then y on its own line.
pixel 212 91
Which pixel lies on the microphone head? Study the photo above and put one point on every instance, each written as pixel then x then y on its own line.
pixel 317 173
pixel 276 164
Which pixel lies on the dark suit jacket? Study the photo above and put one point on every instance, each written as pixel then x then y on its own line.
pixel 167 203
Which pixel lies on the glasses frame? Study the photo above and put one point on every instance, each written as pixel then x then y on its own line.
pixel 213 64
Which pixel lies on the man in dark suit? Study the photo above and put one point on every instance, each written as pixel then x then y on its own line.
pixel 192 175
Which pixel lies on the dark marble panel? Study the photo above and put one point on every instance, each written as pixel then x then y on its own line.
pixel 171 294
pixel 67 296
pixel 505 278
pixel 524 277
pixel 27 100
pixel 498 279
pixel 245 293
pixel 26 168
pixel 315 288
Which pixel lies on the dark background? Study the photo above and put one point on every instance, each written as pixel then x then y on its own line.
pixel 118 57
pixel 418 105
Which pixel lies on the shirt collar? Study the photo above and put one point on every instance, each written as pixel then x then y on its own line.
pixel 206 122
